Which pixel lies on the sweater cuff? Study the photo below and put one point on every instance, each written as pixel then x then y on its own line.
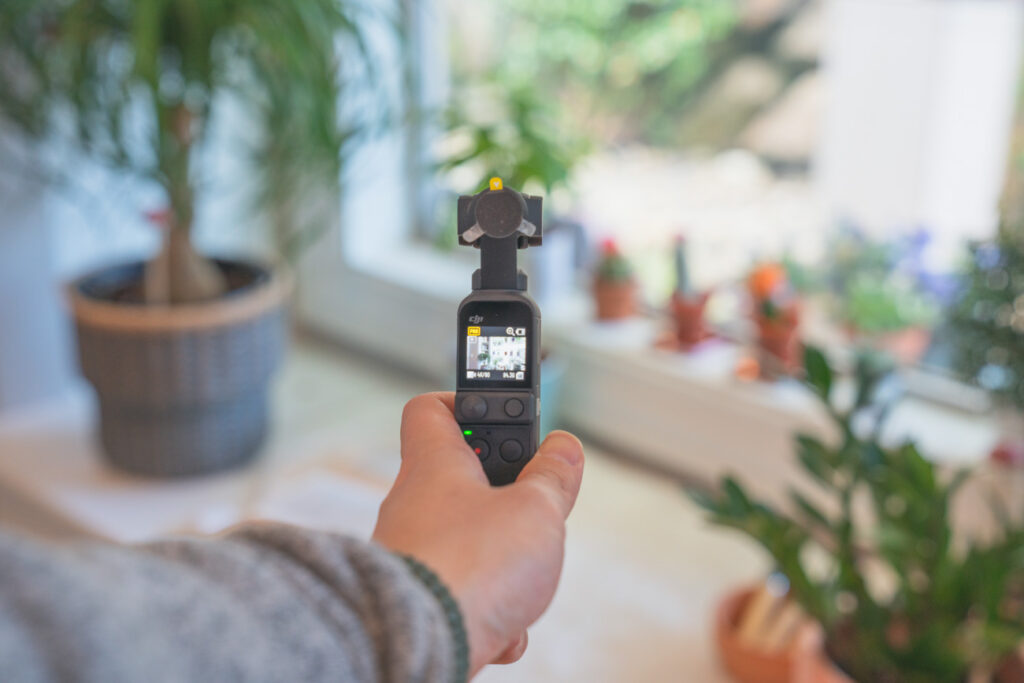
pixel 452 614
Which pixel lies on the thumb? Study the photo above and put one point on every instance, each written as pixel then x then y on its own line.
pixel 556 470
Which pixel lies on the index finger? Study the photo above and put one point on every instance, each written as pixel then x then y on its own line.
pixel 432 438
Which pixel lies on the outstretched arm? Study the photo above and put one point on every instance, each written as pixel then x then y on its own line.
pixel 270 602
pixel 265 602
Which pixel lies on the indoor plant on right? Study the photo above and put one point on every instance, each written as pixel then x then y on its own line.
pixel 953 610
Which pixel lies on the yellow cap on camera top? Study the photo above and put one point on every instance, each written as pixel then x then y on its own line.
pixel 496 183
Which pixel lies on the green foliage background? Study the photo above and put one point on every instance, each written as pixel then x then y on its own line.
pixel 565 75
pixel 618 67
pixel 134 84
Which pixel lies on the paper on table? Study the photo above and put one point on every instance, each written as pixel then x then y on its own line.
pixel 323 498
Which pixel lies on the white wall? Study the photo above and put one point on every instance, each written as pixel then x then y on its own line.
pixel 35 351
pixel 919 104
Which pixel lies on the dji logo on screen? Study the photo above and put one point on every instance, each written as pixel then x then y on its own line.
pixel 476 319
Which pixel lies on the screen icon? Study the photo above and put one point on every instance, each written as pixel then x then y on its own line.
pixel 520 375
pixel 470 374
pixel 520 331
pixel 510 331
pixel 473 331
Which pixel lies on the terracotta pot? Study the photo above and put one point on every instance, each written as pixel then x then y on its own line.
pixel 688 314
pixel 615 299
pixel 907 346
pixel 778 342
pixel 1012 668
pixel 813 665
pixel 818 669
pixel 744 663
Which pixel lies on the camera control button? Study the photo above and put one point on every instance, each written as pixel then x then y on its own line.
pixel 473 407
pixel 513 407
pixel 481 448
pixel 511 450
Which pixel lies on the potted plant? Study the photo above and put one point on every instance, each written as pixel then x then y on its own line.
pixel 180 349
pixel 776 315
pixel 883 293
pixel 687 305
pixel 899 598
pixel 509 131
pixel 615 285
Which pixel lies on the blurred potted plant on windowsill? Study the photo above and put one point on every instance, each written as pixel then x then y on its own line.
pixel 615 285
pixel 776 315
pixel 180 349
pixel 687 305
pixel 883 294
pixel 948 610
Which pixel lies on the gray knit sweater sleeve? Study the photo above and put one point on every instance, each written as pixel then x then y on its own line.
pixel 265 602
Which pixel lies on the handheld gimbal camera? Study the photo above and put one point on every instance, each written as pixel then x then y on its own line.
pixel 497 397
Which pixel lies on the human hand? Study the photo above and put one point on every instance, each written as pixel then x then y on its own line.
pixel 499 550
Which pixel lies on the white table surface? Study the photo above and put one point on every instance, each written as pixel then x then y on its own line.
pixel 642 569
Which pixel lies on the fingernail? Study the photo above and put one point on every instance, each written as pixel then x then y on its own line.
pixel 565 447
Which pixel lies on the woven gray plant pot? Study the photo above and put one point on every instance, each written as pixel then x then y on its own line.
pixel 182 389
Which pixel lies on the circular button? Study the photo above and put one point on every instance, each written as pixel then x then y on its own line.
pixel 513 407
pixel 473 407
pixel 481 448
pixel 511 450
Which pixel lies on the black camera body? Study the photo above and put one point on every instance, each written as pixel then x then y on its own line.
pixel 497 397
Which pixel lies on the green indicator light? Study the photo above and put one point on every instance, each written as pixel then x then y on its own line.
pixel 467 432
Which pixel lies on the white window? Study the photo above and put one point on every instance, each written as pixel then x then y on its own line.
pixel 890 155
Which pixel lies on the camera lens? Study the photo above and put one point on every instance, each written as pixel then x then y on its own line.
pixel 499 214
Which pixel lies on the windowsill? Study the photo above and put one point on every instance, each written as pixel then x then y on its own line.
pixel 420 269
pixel 685 413
pixel 655 388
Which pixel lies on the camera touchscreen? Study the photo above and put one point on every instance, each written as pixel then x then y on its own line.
pixel 495 353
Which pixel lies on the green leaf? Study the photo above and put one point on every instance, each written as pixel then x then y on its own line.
pixel 703 497
pixel 816 460
pixel 735 497
pixel 819 374
pixel 168 63
pixel 870 368
pixel 809 510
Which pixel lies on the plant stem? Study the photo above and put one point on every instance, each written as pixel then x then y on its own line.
pixel 179 274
